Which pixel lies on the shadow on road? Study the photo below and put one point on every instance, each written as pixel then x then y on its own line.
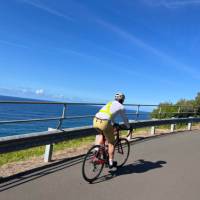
pixel 30 175
pixel 140 166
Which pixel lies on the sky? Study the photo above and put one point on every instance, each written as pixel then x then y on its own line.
pixel 75 50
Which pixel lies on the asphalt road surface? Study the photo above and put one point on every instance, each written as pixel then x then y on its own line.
pixel 163 168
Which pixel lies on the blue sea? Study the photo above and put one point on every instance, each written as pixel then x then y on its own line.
pixel 35 111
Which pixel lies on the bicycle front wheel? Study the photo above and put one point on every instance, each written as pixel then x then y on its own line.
pixel 122 150
pixel 93 163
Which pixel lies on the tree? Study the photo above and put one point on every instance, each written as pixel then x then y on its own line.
pixel 197 103
pixel 186 108
pixel 164 110
pixel 183 108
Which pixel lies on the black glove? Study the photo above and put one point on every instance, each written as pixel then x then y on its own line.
pixel 131 128
pixel 115 125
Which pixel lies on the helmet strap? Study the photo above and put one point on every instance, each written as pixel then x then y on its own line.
pixel 121 101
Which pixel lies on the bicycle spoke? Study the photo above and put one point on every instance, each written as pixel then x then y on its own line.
pixel 120 149
pixel 93 164
pixel 121 153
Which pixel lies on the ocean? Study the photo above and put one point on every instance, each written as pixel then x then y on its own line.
pixel 35 111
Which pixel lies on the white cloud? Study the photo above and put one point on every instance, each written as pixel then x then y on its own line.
pixel 5 42
pixel 35 94
pixel 24 90
pixel 175 4
pixel 132 39
pixel 58 96
pixel 39 92
pixel 172 3
pixel 47 9
pixel 76 53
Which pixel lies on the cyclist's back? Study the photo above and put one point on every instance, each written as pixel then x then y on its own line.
pixel 111 110
pixel 105 117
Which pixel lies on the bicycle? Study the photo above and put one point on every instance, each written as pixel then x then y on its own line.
pixel 97 156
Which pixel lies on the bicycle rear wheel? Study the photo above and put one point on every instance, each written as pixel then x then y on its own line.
pixel 93 163
pixel 122 150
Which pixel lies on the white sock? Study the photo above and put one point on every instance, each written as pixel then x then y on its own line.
pixel 110 162
pixel 96 148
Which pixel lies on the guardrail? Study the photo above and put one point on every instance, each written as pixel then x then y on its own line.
pixel 19 142
pixel 137 113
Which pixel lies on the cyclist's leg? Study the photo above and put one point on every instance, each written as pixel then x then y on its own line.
pixel 99 139
pixel 108 131
pixel 111 151
pixel 109 134
pixel 100 126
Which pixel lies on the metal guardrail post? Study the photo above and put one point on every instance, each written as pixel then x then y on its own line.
pixel 49 147
pixel 173 127
pixel 153 130
pixel 63 116
pixel 137 112
pixel 190 125
pixel 48 153
pixel 48 150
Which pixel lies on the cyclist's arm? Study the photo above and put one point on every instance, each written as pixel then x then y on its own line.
pixel 125 118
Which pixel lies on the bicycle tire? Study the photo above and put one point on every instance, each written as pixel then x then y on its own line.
pixel 121 152
pixel 88 157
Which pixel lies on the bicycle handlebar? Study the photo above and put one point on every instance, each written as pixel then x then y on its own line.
pixel 121 127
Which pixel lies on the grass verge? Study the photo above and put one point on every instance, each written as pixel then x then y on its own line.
pixel 38 151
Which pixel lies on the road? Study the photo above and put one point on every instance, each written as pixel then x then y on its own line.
pixel 162 168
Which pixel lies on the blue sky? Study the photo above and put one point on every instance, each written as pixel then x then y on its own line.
pixel 87 50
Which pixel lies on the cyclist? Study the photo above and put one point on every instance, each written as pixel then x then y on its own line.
pixel 104 121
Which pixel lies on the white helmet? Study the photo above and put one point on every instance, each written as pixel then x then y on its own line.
pixel 119 96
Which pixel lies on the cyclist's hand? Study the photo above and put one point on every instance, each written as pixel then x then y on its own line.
pixel 116 126
pixel 131 128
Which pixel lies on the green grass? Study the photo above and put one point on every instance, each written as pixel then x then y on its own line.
pixel 20 155
pixel 39 151
pixel 178 126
